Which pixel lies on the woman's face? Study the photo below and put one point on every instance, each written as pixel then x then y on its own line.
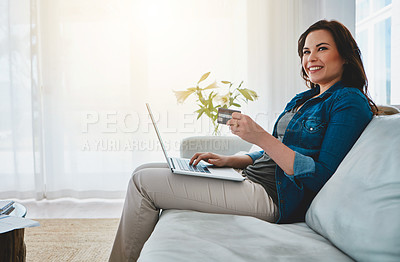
pixel 321 59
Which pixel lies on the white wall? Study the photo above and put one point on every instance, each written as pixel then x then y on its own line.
pixel 311 11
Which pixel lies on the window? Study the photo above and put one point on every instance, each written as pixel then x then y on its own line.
pixel 376 22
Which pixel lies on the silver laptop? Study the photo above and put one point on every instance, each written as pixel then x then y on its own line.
pixel 203 169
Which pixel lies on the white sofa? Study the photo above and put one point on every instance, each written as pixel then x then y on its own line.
pixel 355 216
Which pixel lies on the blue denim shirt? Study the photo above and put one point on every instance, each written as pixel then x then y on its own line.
pixel 321 133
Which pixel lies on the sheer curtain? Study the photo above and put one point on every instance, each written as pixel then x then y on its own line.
pixel 21 173
pixel 75 76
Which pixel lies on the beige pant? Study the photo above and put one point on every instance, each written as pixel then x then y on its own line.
pixel 154 187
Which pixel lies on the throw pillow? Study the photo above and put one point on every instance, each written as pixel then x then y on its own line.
pixel 358 209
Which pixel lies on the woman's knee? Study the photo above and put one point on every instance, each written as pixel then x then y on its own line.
pixel 136 178
pixel 149 179
pixel 136 182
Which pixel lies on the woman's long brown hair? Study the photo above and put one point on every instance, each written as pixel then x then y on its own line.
pixel 353 69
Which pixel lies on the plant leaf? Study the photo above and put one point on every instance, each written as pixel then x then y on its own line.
pixel 208 113
pixel 204 77
pixel 210 101
pixel 253 93
pixel 199 112
pixel 225 82
pixel 201 98
pixel 246 94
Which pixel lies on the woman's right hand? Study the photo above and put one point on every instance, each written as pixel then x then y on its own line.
pixel 215 159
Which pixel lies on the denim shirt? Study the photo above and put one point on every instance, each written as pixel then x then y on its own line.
pixel 321 133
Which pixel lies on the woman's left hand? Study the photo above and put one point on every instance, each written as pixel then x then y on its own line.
pixel 246 128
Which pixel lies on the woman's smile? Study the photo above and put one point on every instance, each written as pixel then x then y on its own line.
pixel 314 69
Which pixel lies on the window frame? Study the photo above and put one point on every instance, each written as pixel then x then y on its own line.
pixel 367 24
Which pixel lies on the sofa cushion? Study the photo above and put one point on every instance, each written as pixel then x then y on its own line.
pixel 193 236
pixel 358 209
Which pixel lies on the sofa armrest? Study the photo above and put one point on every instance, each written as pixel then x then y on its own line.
pixel 224 145
pixel 388 109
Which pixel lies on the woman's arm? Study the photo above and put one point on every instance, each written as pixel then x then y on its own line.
pixel 244 127
pixel 240 161
pixel 349 115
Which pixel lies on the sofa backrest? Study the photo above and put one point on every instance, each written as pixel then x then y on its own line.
pixel 358 209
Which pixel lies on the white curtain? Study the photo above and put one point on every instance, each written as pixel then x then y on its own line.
pixel 75 76
pixel 21 173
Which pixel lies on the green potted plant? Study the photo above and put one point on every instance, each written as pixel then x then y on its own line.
pixel 210 97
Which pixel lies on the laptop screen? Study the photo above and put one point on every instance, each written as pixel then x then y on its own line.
pixel 158 135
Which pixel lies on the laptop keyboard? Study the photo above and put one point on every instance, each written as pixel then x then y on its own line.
pixel 184 165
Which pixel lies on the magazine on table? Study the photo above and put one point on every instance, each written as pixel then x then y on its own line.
pixel 9 223
pixel 6 207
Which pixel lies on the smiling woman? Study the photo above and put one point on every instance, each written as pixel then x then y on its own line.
pixel 330 46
